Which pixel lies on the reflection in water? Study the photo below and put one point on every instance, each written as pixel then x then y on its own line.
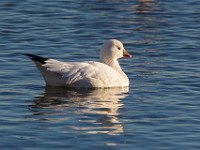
pixel 147 22
pixel 96 111
pixel 145 6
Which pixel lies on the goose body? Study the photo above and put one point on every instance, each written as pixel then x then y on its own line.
pixel 87 74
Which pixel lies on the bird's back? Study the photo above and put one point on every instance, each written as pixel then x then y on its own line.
pixel 88 74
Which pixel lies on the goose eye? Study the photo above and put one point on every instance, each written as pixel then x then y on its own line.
pixel 118 48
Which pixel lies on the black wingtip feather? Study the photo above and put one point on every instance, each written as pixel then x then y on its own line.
pixel 36 58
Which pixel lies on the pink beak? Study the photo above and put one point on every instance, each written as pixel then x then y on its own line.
pixel 126 54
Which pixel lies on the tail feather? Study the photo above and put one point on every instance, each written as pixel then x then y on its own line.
pixel 37 58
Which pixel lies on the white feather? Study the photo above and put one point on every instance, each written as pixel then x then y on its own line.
pixel 88 74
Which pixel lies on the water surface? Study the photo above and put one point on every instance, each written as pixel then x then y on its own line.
pixel 160 109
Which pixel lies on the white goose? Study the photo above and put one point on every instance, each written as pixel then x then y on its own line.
pixel 87 74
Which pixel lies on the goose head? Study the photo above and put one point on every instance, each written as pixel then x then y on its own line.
pixel 111 50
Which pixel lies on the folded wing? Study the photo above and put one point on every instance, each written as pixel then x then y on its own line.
pixel 79 74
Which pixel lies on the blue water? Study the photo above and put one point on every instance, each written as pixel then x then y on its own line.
pixel 160 109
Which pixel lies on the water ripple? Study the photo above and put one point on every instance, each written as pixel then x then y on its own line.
pixel 158 111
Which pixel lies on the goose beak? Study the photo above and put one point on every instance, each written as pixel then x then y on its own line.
pixel 126 54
